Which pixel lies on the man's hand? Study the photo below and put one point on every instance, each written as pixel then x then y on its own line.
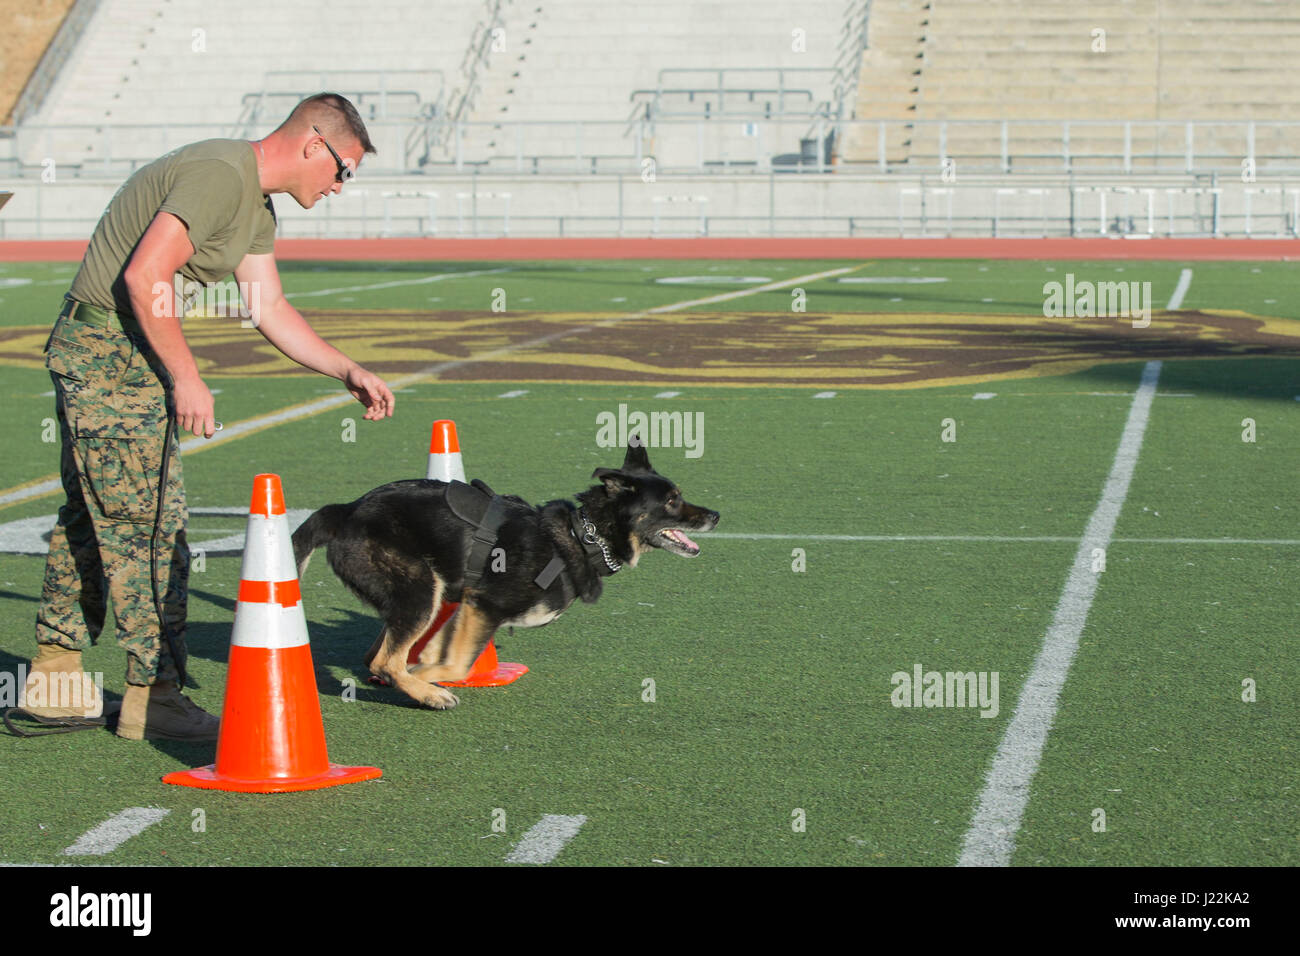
pixel 194 406
pixel 369 389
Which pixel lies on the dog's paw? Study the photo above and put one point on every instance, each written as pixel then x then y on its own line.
pixel 439 699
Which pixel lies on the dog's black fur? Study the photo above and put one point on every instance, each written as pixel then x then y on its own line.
pixel 402 550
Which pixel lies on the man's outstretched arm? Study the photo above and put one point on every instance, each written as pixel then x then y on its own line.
pixel 284 327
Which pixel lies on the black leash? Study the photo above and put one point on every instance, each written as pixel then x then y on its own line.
pixel 57 725
pixel 168 440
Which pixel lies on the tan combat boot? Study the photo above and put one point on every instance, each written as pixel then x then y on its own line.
pixel 57 689
pixel 162 712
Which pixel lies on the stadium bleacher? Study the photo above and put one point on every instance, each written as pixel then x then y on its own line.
pixel 1056 114
pixel 1095 66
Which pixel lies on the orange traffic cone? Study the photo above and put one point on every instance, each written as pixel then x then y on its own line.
pixel 272 738
pixel 445 465
pixel 444 453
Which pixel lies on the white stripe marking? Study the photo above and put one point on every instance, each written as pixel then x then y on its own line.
pixel 115 831
pixel 513 394
pixel 1028 539
pixel 423 280
pixel 739 536
pixel 727 296
pixel 31 491
pixel 546 839
pixel 980 396
pixel 824 395
pixel 675 394
pixel 991 839
pixel 1180 290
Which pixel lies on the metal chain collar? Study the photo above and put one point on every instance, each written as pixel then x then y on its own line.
pixel 590 536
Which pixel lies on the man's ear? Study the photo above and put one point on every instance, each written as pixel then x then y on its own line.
pixel 616 481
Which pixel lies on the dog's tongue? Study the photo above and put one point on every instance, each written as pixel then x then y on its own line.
pixel 677 535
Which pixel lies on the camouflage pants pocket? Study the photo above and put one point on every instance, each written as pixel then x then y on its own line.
pixel 119 456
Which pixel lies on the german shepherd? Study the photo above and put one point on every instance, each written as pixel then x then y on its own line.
pixel 406 547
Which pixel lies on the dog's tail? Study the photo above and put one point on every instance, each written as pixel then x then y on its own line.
pixel 319 529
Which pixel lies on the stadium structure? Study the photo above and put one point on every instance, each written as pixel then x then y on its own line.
pixel 550 118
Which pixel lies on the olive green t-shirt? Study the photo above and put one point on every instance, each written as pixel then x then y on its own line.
pixel 212 187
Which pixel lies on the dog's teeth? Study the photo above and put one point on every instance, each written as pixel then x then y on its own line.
pixel 680 538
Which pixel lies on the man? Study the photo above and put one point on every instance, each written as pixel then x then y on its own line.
pixel 121 367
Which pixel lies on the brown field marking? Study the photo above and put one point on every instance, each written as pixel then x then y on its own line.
pixel 838 350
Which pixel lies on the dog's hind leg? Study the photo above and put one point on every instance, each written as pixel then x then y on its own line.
pixel 401 631
pixel 470 629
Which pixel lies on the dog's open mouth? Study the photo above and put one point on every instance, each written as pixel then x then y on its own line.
pixel 671 539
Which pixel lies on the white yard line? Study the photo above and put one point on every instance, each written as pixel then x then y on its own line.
pixel 1028 539
pixel 1180 290
pixel 741 293
pixel 991 839
pixel 28 535
pixel 740 536
pixel 115 831
pixel 395 283
pixel 43 487
pixel 546 839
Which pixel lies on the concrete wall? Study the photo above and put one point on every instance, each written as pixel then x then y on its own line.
pixel 737 205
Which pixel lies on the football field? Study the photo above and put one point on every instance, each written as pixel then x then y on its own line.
pixel 1005 574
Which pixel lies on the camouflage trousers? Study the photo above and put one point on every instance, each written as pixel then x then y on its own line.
pixel 112 413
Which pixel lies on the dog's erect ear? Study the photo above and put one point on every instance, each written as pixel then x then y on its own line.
pixel 636 458
pixel 615 481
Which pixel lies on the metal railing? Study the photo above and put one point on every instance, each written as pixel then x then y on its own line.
pixel 954 147
pixel 731 92
pixel 377 95
pixel 852 44
pixel 483 39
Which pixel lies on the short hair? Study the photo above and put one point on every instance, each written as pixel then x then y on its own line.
pixel 333 115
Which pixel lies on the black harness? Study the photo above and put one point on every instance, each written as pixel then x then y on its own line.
pixel 485 512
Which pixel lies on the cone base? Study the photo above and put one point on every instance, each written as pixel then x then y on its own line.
pixel 504 673
pixel 487 670
pixel 206 778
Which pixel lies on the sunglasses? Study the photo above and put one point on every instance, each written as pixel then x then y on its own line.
pixel 346 173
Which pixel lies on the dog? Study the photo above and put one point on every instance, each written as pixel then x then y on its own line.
pixel 407 546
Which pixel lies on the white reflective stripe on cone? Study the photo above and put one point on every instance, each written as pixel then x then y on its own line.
pixel 268 550
pixel 271 626
pixel 446 466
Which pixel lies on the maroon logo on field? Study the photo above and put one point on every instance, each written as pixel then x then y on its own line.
pixel 892 350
